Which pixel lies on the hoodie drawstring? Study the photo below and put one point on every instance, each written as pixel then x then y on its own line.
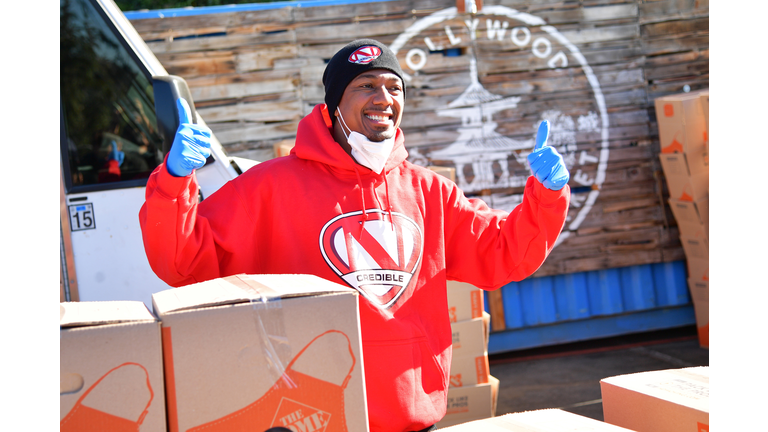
pixel 389 205
pixel 362 199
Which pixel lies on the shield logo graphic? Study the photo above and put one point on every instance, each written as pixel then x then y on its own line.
pixel 365 55
pixel 377 258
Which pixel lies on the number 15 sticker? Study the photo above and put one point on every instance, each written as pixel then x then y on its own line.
pixel 81 217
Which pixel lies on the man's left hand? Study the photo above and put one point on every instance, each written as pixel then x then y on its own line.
pixel 546 163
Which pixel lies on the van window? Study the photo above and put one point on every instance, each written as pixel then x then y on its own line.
pixel 109 129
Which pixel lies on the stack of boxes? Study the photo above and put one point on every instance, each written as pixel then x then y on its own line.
pixel 473 391
pixel 684 135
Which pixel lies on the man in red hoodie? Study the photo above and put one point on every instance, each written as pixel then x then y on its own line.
pixel 347 206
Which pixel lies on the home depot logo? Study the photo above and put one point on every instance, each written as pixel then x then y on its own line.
pixel 484 158
pixel 298 417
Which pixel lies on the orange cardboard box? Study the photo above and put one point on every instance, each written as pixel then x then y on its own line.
pixel 695 247
pixel 670 400
pixel 470 403
pixel 685 164
pixel 694 187
pixel 698 269
pixel 545 420
pixel 700 296
pixel 110 367
pixel 704 97
pixel 465 301
pixel 469 370
pixel 260 351
pixel 470 337
pixel 682 126
pixel 692 217
pixel 448 172
pixel 283 148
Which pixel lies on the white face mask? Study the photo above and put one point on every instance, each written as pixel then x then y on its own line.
pixel 368 153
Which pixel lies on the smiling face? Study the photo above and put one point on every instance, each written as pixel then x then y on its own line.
pixel 372 104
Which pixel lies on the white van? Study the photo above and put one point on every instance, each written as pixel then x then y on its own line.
pixel 115 95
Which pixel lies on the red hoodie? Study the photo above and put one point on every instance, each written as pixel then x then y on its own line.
pixel 395 237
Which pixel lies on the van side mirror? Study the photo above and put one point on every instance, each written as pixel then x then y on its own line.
pixel 167 89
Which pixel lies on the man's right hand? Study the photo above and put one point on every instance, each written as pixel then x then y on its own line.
pixel 191 146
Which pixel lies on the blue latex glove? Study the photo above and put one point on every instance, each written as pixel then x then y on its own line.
pixel 116 154
pixel 191 146
pixel 546 163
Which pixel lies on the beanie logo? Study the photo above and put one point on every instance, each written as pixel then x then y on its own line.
pixel 365 55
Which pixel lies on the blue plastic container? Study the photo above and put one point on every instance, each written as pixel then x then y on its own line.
pixel 581 306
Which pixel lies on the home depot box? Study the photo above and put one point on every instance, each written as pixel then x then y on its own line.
pixel 700 296
pixel 694 187
pixel 685 164
pixel 262 351
pixel 470 403
pixel 469 370
pixel 658 401
pixel 465 301
pixel 692 217
pixel 470 337
pixel 469 363
pixel 545 420
pixel 704 98
pixel 682 127
pixel 283 148
pixel 448 172
pixel 698 269
pixel 695 247
pixel 110 367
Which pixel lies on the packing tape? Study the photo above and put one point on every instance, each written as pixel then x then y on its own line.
pixel 269 324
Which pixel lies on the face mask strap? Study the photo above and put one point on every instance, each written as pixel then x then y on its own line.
pixel 343 125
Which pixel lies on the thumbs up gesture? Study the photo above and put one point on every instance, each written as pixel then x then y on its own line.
pixel 191 145
pixel 546 163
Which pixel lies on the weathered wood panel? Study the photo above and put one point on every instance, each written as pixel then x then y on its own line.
pixel 593 67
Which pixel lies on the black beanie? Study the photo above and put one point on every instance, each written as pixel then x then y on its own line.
pixel 352 60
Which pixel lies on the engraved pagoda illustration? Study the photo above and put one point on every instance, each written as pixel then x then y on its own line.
pixel 478 144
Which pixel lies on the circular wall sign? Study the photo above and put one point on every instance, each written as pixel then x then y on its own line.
pixel 482 155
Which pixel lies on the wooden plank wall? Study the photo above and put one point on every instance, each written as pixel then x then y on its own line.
pixel 254 75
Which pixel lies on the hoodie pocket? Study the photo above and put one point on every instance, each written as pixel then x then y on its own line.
pixel 406 378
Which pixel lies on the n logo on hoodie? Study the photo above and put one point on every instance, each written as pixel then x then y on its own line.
pixel 378 257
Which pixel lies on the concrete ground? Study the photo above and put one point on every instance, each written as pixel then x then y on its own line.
pixel 568 376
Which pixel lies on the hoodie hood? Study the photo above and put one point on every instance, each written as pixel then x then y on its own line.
pixel 315 142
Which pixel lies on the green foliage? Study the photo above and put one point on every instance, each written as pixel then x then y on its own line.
pixel 132 5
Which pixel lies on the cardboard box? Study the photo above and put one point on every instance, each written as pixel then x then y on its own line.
pixel 659 401
pixel 698 269
pixel 470 338
pixel 688 188
pixel 704 98
pixel 465 301
pixel 695 247
pixel 283 148
pixel 469 370
pixel 693 230
pixel 448 172
pixel 470 403
pixel 263 351
pixel 700 296
pixel 694 215
pixel 110 367
pixel 685 164
pixel 682 127
pixel 545 420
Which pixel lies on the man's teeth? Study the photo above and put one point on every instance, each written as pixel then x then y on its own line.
pixel 378 118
